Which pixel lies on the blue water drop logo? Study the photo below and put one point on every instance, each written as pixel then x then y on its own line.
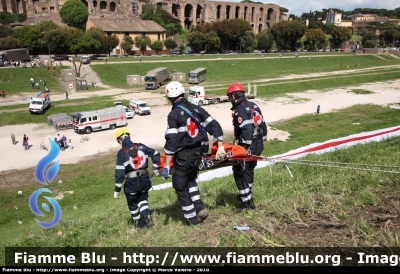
pixel 35 209
pixel 45 161
pixel 50 175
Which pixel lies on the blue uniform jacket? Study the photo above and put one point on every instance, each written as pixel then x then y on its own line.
pixel 183 134
pixel 126 164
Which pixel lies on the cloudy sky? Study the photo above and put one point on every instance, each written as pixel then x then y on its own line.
pixel 297 7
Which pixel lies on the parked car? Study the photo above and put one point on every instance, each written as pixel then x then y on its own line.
pixel 129 113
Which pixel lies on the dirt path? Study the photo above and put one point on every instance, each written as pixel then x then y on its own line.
pixel 150 129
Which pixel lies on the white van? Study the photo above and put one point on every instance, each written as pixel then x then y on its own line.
pixel 139 107
pixel 85 59
pixel 39 102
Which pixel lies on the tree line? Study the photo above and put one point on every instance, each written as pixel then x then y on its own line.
pixel 221 36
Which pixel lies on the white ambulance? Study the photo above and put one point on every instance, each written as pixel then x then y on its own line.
pixel 39 102
pixel 108 118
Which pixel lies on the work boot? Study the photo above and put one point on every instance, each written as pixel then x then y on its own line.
pixel 246 206
pixel 149 221
pixel 251 204
pixel 189 223
pixel 202 215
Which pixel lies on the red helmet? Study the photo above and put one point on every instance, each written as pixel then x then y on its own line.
pixel 235 87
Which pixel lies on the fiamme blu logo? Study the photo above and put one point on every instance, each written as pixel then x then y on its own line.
pixel 51 172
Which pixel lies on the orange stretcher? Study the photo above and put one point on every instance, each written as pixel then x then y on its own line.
pixel 234 154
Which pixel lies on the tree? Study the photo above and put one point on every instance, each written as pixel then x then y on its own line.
pixel 170 44
pixel 316 38
pixel 6 18
pixel 286 34
pixel 87 44
pixel 213 41
pixel 182 47
pixel 371 36
pixel 57 40
pixel 197 41
pixel 74 13
pixel 41 29
pixel 157 46
pixel 110 42
pixel 127 44
pixel 28 37
pixel 390 37
pixel 248 40
pixel 142 42
pixel 74 36
pixel 9 42
pixel 264 41
pixel 340 35
pixel 5 31
pixel 369 44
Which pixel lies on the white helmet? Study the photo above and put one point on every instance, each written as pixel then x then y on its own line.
pixel 174 89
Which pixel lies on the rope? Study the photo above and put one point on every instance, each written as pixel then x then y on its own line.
pixel 351 166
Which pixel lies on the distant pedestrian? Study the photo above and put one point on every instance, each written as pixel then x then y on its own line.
pixel 93 83
pixel 13 138
pixel 25 142
pixel 3 93
pixel 66 95
pixel 140 59
pixel 37 85
pixel 32 82
pixel 70 146
pixel 318 108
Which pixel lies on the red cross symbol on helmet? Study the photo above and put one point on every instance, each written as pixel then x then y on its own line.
pixel 192 128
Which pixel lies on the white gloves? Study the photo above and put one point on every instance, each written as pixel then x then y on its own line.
pixel 220 153
pixel 117 195
pixel 156 172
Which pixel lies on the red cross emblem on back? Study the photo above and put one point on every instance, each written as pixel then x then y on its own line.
pixel 256 117
pixel 192 127
pixel 138 160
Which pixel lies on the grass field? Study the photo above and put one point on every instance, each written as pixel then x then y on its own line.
pixel 318 207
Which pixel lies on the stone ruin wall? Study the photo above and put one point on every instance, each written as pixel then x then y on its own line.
pixel 188 12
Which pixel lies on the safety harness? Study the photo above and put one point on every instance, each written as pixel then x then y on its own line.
pixel 133 152
pixel 189 155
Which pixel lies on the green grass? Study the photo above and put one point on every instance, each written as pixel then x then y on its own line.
pixel 319 206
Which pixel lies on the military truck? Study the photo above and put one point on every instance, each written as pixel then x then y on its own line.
pixel 156 78
pixel 14 55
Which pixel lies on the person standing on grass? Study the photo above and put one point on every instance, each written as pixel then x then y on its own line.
pixel 25 142
pixel 131 166
pixel 3 93
pixel 318 109
pixel 186 141
pixel 250 130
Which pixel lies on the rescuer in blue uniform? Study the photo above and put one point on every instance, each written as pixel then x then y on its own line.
pixel 186 142
pixel 250 130
pixel 132 163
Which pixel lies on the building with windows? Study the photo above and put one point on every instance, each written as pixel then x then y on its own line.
pixel 188 12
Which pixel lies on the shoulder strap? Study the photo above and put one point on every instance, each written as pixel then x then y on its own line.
pixel 132 152
pixel 191 116
pixel 252 114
